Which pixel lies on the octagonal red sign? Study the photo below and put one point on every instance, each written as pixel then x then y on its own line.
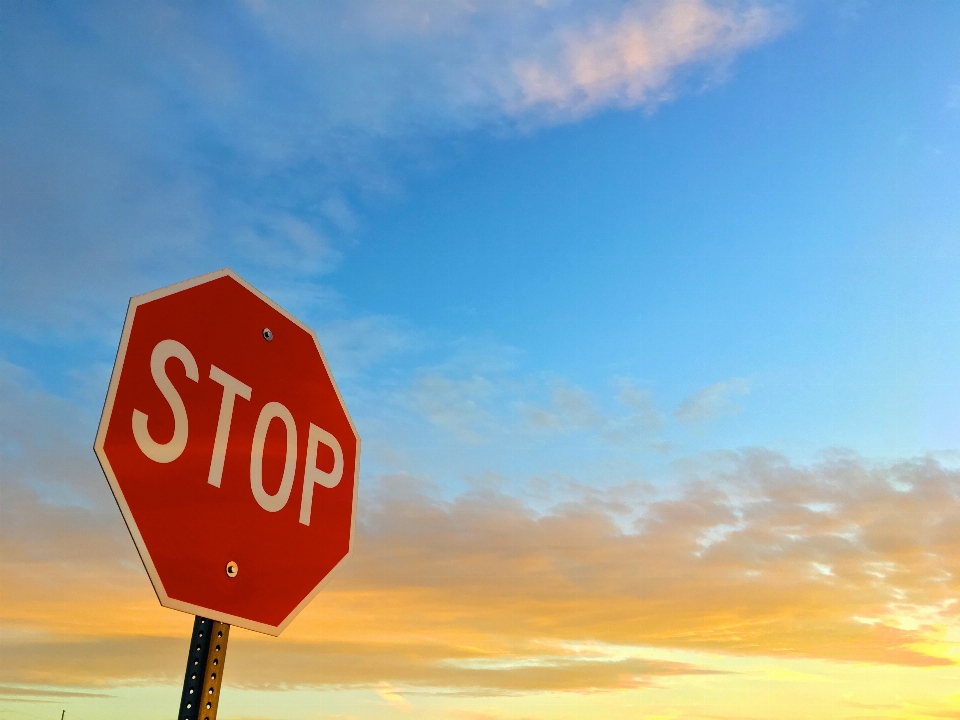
pixel 230 452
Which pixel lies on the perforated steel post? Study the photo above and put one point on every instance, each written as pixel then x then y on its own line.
pixel 201 683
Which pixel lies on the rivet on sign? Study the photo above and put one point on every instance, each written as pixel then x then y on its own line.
pixel 232 569
pixel 267 334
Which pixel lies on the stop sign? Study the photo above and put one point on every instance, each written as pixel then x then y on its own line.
pixel 229 451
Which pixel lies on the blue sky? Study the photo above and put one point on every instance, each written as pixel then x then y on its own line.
pixel 784 216
pixel 537 261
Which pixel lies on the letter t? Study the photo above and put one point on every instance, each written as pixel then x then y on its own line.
pixel 231 388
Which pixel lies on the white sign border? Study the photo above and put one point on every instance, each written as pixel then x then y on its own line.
pixel 166 600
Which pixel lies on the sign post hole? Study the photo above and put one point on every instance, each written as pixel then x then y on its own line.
pixel 205 661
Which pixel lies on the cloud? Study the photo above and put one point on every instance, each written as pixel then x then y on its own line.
pixel 464 64
pixel 642 425
pixel 659 585
pixel 571 408
pixel 642 402
pixel 287 243
pixel 355 344
pixel 457 405
pixel 255 663
pixel 43 444
pixel 632 60
pixel 24 692
pixel 712 402
pixel 479 593
pixel 142 144
pixel 464 394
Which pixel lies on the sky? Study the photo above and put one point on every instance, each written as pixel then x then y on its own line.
pixel 647 314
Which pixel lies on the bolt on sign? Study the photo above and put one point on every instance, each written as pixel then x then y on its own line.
pixel 233 459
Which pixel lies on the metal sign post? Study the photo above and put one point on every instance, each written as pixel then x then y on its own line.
pixel 205 661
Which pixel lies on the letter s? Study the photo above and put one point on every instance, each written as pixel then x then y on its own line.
pixel 171 450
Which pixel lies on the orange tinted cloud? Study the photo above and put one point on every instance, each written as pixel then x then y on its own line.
pixel 747 555
pixel 841 561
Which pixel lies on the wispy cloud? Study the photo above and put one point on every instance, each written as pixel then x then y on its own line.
pixel 642 402
pixel 42 694
pixel 354 344
pixel 467 63
pixel 480 406
pixel 571 408
pixel 143 145
pixel 712 402
pixel 632 59
pixel 457 405
pixel 287 243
